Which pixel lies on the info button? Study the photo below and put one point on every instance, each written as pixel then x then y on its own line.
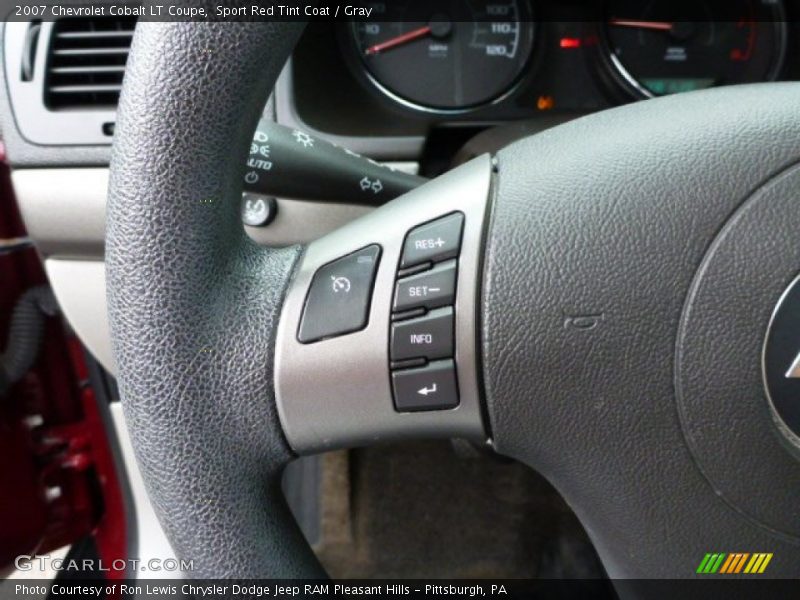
pixel 434 241
pixel 428 337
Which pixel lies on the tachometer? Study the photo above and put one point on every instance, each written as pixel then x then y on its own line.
pixel 726 42
pixel 446 55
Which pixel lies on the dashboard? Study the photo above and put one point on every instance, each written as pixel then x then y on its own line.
pixel 468 66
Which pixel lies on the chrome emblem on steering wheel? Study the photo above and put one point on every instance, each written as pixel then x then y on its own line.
pixel 781 362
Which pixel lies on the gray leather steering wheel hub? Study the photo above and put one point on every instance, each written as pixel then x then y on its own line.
pixel 614 284
pixel 719 378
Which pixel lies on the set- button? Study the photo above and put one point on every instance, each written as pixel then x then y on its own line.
pixel 430 289
pixel 422 337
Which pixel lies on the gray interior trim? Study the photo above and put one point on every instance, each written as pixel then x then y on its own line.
pixel 80 288
pixel 64 209
pixel 22 152
pixel 35 121
pixel 336 393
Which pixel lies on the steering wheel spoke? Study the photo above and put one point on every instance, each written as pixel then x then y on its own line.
pixel 397 358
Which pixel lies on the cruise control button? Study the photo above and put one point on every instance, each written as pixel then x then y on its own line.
pixel 435 241
pixel 430 289
pixel 428 337
pixel 339 298
pixel 429 388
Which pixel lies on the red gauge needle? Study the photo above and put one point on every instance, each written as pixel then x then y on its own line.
pixel 399 40
pixel 654 25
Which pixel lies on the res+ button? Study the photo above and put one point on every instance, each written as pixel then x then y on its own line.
pixel 434 241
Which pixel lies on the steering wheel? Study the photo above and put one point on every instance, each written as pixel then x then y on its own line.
pixel 609 285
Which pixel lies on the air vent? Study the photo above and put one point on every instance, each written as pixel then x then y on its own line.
pixel 86 62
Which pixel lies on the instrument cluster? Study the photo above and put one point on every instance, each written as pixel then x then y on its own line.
pixel 481 62
pixel 445 56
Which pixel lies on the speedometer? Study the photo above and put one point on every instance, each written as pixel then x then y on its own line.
pixel 445 55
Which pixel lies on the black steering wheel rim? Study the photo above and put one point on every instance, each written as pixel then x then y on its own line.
pixel 194 305
pixel 203 296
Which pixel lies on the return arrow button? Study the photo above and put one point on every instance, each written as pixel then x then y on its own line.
pixel 432 387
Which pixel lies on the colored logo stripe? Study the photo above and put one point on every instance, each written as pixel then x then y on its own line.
pixel 758 563
pixel 727 564
pixel 711 563
pixel 734 563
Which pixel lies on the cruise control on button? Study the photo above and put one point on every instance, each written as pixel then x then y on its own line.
pixel 339 298
pixel 430 289
pixel 435 241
